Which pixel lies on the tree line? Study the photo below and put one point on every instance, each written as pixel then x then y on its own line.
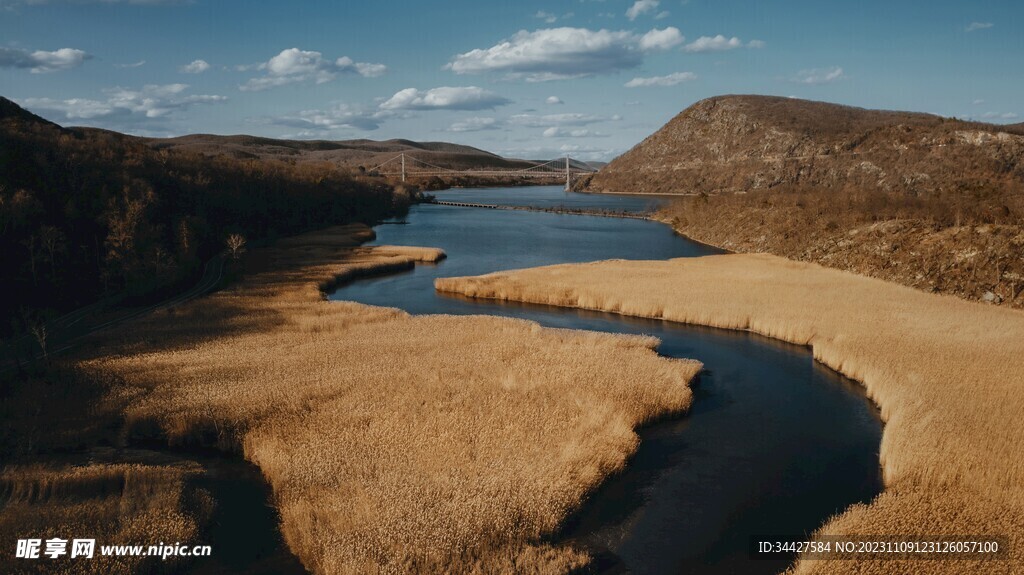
pixel 88 213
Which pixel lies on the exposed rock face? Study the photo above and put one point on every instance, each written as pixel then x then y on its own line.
pixel 745 143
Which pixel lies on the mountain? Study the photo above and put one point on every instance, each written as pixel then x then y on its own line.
pixel 10 112
pixel 745 143
pixel 344 153
pixel 929 202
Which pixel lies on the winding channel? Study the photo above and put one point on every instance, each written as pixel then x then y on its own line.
pixel 773 445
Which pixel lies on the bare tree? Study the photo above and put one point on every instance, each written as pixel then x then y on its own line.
pixel 184 236
pixel 236 244
pixel 38 330
pixel 32 244
pixel 35 324
pixel 52 241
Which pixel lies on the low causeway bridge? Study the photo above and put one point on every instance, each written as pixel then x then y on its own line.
pixel 405 166
pixel 550 210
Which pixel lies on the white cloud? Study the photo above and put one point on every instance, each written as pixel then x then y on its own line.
pixel 195 67
pixel 641 7
pixel 669 80
pixel 978 102
pixel 317 123
pixel 975 26
pixel 819 75
pixel 999 116
pixel 138 64
pixel 444 98
pixel 42 61
pixel 559 120
pixel 556 132
pixel 550 18
pixel 553 100
pixel 155 101
pixel 662 15
pixel 72 109
pixel 151 101
pixel 475 124
pixel 577 151
pixel 717 43
pixel 561 53
pixel 720 43
pixel 547 17
pixel 294 65
pixel 661 39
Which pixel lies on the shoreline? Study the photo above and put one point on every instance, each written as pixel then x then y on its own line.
pixel 587 286
pixel 659 217
pixel 434 373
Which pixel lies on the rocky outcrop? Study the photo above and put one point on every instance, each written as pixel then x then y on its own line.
pixel 745 143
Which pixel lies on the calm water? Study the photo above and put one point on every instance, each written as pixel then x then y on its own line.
pixel 551 197
pixel 773 445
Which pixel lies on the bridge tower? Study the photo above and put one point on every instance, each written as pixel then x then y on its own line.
pixel 403 167
pixel 568 175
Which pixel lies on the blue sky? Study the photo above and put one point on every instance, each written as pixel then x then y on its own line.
pixel 590 78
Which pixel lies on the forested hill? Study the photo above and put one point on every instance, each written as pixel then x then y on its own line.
pixel 344 153
pixel 87 212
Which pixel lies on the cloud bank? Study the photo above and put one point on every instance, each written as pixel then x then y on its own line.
pixel 195 67
pixel 669 80
pixel 41 61
pixel 303 66
pixel 562 53
pixel 125 105
pixel 444 98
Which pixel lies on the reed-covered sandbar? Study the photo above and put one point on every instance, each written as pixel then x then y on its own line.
pixel 946 373
pixel 393 443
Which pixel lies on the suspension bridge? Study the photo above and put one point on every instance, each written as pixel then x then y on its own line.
pixel 406 166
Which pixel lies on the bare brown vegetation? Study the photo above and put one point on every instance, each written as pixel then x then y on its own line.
pixel 946 373
pixel 143 503
pixel 393 443
pixel 968 245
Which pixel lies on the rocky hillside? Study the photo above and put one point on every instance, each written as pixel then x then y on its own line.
pixel 920 200
pixel 744 143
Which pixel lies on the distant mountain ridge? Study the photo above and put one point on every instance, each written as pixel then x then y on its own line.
pixel 745 143
pixel 342 153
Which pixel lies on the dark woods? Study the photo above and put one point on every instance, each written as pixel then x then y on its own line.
pixel 88 213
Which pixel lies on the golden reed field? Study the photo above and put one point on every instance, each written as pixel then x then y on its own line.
pixel 393 443
pixel 947 374
pixel 111 501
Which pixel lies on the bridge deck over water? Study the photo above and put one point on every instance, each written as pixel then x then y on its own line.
pixel 552 210
pixel 551 169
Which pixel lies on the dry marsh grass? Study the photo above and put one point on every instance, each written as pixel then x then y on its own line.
pixel 393 443
pixel 127 503
pixel 947 374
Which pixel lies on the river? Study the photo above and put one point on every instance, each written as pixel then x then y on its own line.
pixel 774 444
